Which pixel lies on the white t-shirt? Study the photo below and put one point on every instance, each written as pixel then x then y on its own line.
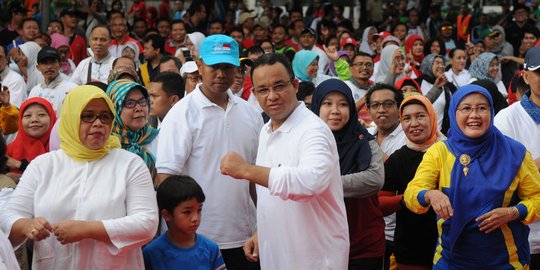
pixel 117 190
pixel 516 123
pixel 16 86
pixel 100 70
pixel 194 137
pixel 301 218
pixel 55 92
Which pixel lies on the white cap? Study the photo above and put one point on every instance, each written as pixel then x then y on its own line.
pixel 188 67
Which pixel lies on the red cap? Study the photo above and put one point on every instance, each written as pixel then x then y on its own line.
pixel 382 35
pixel 349 40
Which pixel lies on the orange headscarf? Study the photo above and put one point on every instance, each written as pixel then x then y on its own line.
pixel 434 135
pixel 25 146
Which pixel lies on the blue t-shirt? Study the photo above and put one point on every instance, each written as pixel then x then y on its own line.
pixel 163 254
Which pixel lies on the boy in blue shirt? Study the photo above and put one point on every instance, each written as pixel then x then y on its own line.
pixel 180 200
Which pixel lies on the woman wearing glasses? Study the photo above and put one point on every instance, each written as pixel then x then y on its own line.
pixel 131 126
pixel 437 88
pixel 89 205
pixel 483 187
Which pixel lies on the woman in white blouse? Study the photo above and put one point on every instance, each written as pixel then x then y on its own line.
pixel 89 205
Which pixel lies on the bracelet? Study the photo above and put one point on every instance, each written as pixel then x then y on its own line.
pixel 515 212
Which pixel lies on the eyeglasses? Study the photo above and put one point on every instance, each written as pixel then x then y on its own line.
pixel 482 109
pixel 193 79
pixel 361 64
pixel 105 118
pixel 130 103
pixel 278 87
pixel 386 105
pixel 444 28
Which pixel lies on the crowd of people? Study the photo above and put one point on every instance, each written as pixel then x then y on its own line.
pixel 219 137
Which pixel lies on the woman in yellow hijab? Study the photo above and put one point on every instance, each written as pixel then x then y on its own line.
pixel 89 205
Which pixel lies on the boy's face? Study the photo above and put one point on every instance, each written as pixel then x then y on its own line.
pixel 185 218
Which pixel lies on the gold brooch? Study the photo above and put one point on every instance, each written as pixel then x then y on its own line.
pixel 465 160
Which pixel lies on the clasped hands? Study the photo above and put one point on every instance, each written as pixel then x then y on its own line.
pixel 65 231
pixel 489 221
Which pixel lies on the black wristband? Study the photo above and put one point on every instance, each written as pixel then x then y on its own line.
pixel 24 164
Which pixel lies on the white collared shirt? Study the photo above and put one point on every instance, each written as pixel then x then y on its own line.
pixel 459 80
pixel 55 92
pixel 194 137
pixel 301 218
pixel 100 70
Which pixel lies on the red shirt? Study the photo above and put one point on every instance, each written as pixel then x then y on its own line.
pixel 77 50
pixel 139 9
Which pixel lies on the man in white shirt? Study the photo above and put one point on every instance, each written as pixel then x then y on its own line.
pixel 96 67
pixel 301 218
pixel 521 122
pixel 383 106
pixel 54 88
pixel 12 80
pixel 308 38
pixel 198 131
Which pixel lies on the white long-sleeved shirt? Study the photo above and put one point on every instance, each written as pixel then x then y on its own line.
pixel 100 70
pixel 117 190
pixel 54 92
pixel 193 138
pixel 301 218
pixel 16 86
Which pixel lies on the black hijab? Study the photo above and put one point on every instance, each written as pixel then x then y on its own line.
pixel 353 139
pixel 499 102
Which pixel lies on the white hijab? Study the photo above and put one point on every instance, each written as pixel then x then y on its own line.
pixel 31 50
pixel 365 46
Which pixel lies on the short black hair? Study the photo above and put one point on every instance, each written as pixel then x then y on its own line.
pixel 195 7
pixel 157 42
pixel 161 19
pixel 177 22
pixel 4 48
pixel 236 29
pixel 3 149
pixel 361 53
pixel 29 20
pixel 171 83
pixel 398 95
pixel 293 24
pixel 101 26
pixel 136 20
pixel 271 59
pixel 531 30
pixel 110 14
pixel 176 189
pixel 168 57
pixel 254 50
pixel 305 89
pixel 453 51
pixel 59 22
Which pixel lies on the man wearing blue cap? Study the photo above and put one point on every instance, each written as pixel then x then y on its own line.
pixel 521 122
pixel 198 131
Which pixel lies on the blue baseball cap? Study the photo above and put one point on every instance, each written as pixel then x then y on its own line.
pixel 532 59
pixel 219 49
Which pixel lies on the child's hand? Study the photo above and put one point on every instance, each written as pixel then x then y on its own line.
pixel 251 248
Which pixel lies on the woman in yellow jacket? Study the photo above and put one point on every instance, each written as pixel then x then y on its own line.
pixel 483 186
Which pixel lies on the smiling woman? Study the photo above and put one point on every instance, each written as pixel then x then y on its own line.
pixel 89 205
pixel 483 187
pixel 131 103
pixel 361 172
pixel 36 120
